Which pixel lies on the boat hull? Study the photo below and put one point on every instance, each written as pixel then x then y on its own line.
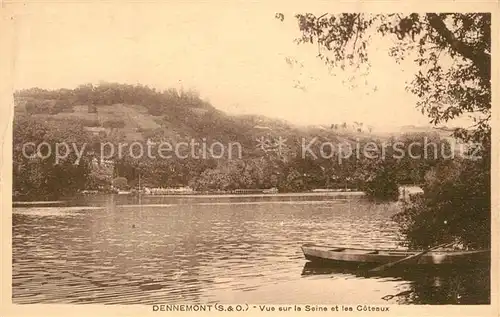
pixel 339 255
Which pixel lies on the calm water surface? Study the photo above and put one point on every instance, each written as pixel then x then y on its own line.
pixel 118 250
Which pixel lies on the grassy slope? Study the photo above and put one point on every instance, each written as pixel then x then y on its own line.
pixel 198 123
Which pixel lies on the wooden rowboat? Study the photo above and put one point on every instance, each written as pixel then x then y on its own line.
pixel 341 255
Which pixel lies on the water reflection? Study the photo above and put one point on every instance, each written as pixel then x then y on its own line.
pixel 209 249
pixel 446 285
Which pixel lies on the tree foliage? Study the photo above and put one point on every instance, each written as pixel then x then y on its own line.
pixel 36 100
pixel 37 178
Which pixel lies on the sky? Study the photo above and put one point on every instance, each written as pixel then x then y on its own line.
pixel 234 56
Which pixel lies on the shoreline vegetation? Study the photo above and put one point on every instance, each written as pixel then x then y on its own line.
pixel 199 194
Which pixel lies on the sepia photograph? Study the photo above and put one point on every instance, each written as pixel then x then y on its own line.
pixel 241 157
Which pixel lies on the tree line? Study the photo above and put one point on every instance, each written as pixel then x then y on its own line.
pixel 292 171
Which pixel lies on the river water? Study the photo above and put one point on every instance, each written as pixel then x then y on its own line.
pixel 214 249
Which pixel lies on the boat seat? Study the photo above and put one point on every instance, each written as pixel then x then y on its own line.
pixel 338 250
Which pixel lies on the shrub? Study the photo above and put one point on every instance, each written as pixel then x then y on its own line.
pixel 451 209
pixel 120 182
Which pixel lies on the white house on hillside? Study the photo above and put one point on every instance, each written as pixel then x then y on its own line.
pixel 406 192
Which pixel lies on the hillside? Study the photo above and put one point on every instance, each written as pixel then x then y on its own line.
pixel 136 113
pixel 272 151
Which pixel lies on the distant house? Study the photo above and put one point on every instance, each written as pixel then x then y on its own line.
pixel 103 163
pixel 248 191
pixel 101 173
pixel 168 191
pixel 407 192
pixel 325 190
pixel 260 127
pixel 273 190
pixel 95 130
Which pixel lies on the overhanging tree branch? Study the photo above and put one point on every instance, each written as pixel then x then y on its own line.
pixel 481 59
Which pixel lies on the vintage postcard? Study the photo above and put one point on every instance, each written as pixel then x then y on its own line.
pixel 207 157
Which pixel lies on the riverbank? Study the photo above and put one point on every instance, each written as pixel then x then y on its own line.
pixel 40 203
pixel 304 194
pixel 52 203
